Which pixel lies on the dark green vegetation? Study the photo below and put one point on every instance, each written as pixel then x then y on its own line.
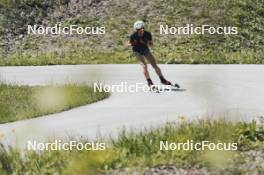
pixel 141 149
pixel 17 48
pixel 22 102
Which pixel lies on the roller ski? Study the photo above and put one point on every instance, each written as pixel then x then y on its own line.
pixel 168 83
pixel 154 89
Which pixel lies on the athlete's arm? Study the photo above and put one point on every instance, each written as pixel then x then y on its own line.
pixel 129 43
pixel 132 42
pixel 150 43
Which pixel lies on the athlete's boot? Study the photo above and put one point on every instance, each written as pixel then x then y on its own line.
pixel 151 85
pixel 166 82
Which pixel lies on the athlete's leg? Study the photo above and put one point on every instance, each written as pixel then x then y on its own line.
pixel 153 63
pixel 144 65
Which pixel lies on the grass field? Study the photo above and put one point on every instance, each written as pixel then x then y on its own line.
pixel 126 57
pixel 137 150
pixel 19 102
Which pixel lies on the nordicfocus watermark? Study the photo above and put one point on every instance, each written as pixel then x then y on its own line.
pixel 190 29
pixel 127 87
pixel 190 145
pixel 58 29
pixel 58 145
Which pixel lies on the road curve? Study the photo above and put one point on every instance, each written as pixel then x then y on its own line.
pixel 231 91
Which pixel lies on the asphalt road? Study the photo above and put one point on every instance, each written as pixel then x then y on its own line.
pixel 235 92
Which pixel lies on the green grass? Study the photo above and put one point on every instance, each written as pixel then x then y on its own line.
pixel 75 57
pixel 140 149
pixel 125 57
pixel 19 102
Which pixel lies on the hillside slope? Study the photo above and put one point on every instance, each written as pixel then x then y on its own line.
pixel 118 17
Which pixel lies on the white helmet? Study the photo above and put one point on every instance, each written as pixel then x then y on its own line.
pixel 139 25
